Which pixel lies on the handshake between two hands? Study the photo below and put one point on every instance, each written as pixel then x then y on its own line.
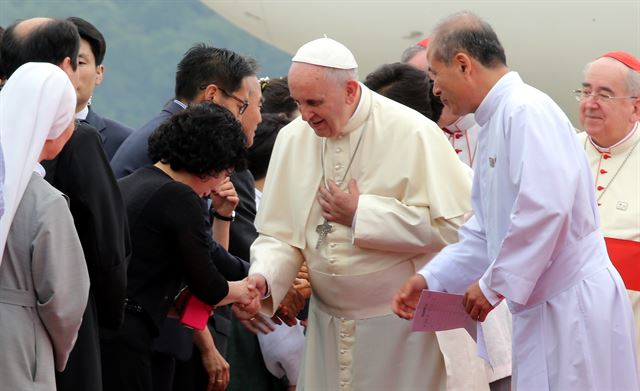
pixel 286 313
pixel 246 295
pixel 193 313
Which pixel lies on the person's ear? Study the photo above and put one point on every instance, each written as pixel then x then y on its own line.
pixel 352 91
pixel 99 74
pixel 462 61
pixel 635 116
pixel 210 92
pixel 66 66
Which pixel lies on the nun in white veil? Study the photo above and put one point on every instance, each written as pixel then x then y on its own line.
pixel 44 283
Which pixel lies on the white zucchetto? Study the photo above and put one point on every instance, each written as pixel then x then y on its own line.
pixel 326 52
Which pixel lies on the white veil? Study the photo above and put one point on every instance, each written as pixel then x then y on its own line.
pixel 36 104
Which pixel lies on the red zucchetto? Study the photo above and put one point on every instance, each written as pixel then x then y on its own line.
pixel 626 58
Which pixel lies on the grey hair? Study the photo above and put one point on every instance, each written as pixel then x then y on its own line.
pixel 340 76
pixel 468 33
pixel 631 81
pixel 410 52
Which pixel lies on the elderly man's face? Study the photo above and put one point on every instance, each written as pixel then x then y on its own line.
pixel 324 104
pixel 607 119
pixel 449 84
pixel 252 117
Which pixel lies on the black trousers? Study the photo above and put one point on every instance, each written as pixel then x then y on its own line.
pixel 126 356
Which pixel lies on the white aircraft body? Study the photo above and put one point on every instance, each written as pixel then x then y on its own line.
pixel 548 42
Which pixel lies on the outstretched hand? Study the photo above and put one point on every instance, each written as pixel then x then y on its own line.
pixel 406 299
pixel 258 324
pixel 291 305
pixel 249 306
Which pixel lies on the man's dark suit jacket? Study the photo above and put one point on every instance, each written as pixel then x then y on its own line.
pixel 111 133
pixel 133 152
pixel 82 172
pixel 243 232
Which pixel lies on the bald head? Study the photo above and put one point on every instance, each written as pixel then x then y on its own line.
pixel 25 27
pixel 40 40
pixel 467 33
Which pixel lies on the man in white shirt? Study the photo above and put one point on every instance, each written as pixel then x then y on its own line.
pixel 534 238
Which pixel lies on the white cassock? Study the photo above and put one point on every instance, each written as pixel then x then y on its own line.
pixel 496 329
pixel 414 193
pixel 617 186
pixel 534 239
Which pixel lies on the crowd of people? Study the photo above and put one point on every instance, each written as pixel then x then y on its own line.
pixel 276 233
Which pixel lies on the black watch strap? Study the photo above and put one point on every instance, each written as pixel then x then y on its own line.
pixel 223 218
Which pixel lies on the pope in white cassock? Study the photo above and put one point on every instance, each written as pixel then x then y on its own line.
pixel 365 190
pixel 534 239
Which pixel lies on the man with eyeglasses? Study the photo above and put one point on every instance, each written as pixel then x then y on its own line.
pixel 205 73
pixel 610 114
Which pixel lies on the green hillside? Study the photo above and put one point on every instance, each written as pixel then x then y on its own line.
pixel 145 41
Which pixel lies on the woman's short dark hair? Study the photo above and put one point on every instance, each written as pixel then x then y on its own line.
pixel 404 84
pixel 203 139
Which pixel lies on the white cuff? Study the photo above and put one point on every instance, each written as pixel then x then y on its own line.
pixel 492 296
pixel 432 282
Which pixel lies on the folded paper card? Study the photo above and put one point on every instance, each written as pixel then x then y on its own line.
pixel 438 311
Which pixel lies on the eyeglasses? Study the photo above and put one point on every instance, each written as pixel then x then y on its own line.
pixel 582 95
pixel 243 103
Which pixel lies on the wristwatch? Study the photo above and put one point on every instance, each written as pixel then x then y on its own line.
pixel 218 216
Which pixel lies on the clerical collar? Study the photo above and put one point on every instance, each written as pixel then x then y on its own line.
pixel 361 112
pixel 359 103
pixel 82 114
pixel 621 146
pixel 489 105
pixel 462 124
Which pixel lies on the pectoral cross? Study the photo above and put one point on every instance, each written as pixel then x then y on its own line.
pixel 323 230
